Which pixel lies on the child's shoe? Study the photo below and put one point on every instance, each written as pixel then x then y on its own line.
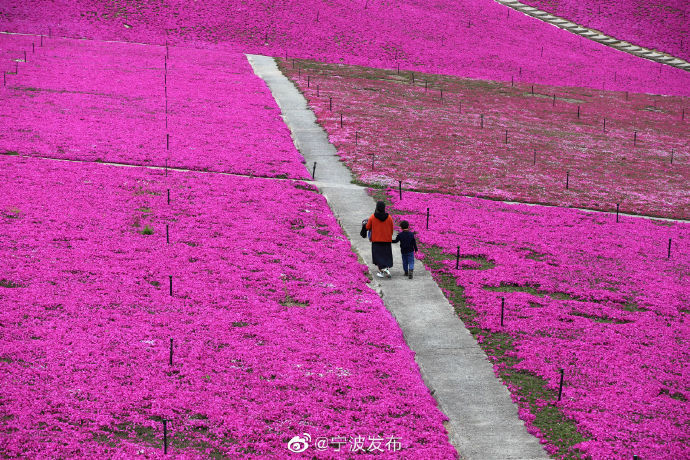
pixel 411 273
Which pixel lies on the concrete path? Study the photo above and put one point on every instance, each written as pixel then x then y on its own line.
pixel 484 423
pixel 592 34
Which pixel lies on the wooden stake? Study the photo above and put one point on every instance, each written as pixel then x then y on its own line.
pixel 481 121
pixel 554 101
pixel 567 179
pixel 560 386
pixel 400 189
pixel 317 90
pixel 308 81
pixel 634 138
pixel 330 103
pixel 672 151
pixel 532 90
pixel 578 111
pixel 457 259
pixel 506 136
pixel 427 218
pixel 313 171
pixel 534 161
pixel 425 85
pixel 341 120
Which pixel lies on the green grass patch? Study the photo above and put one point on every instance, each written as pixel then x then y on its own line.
pixel 9 284
pixel 147 230
pixel 10 152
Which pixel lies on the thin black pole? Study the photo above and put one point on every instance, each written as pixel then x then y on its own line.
pixel 672 151
pixel 617 209
pixel 534 160
pixel 356 137
pixel 330 103
pixel 567 179
pixel 317 90
pixel 165 434
pixel 425 85
pixel 372 161
pixel 4 78
pixel 503 303
pixel 634 138
pixel 308 80
pixel 604 124
pixel 167 233
pixel 532 90
pixel 341 120
pixel 554 101
pixel 427 218
pixel 481 121
pixel 669 249
pixel 400 189
pixel 24 55
pixel 168 196
pixel 170 276
pixel 578 111
pixel 506 136
pixel 167 142
pixel 313 171
pixel 171 352
pixel 41 40
pixel 457 259
pixel 560 386
pixel 166 166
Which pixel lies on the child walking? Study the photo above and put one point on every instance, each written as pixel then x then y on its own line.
pixel 408 246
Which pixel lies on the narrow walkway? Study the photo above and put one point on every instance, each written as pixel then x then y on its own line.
pixel 484 423
pixel 597 36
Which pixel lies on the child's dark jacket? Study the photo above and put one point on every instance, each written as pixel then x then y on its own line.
pixel 407 242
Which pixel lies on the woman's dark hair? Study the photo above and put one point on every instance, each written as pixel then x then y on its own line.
pixel 404 225
pixel 380 206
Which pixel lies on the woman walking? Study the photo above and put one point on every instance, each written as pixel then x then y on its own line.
pixel 381 226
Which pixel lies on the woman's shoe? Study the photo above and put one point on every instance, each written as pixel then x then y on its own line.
pixel 411 273
pixel 380 274
pixel 386 272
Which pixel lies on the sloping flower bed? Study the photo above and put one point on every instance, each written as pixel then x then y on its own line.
pixel 106 102
pixel 275 332
pixel 471 38
pixel 660 25
pixel 555 145
pixel 599 299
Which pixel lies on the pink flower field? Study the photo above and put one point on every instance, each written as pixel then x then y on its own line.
pixel 479 39
pixel 456 142
pixel 661 25
pixel 97 101
pixel 583 293
pixel 275 332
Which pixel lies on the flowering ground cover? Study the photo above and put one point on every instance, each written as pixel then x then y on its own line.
pixel 658 25
pixel 274 330
pixel 599 299
pixel 97 101
pixel 446 134
pixel 470 38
